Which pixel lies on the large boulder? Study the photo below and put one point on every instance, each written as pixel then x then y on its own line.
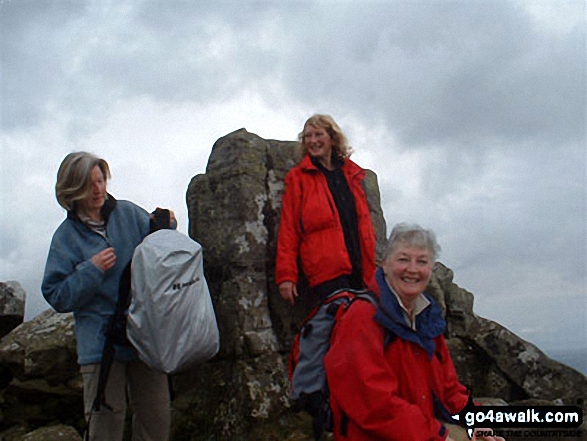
pixel 44 384
pixel 43 348
pixel 234 211
pixel 12 299
pixel 57 432
pixel 242 394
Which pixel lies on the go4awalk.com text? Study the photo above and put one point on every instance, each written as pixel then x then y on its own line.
pixel 523 421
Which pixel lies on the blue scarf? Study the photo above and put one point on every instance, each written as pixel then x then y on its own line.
pixel 429 323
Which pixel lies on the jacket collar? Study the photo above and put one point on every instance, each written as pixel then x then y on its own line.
pixel 429 323
pixel 348 167
pixel 307 165
pixel 336 162
pixel 108 207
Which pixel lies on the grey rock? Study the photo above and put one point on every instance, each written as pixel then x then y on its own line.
pixel 495 362
pixel 12 301
pixel 42 348
pixel 15 433
pixel 241 194
pixel 58 432
pixel 234 211
pixel 45 384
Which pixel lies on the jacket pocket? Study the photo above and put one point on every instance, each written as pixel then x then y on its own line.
pixel 324 255
pixel 318 213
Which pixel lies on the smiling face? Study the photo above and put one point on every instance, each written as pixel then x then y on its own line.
pixel 318 144
pixel 96 196
pixel 408 270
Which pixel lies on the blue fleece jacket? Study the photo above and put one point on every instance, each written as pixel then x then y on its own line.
pixel 72 283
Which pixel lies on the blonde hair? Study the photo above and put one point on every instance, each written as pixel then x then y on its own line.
pixel 340 145
pixel 74 177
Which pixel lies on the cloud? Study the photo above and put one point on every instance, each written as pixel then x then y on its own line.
pixel 82 58
pixel 436 73
pixel 471 113
pixel 153 152
pixel 443 73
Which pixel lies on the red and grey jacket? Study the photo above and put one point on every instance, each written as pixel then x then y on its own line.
pixel 310 227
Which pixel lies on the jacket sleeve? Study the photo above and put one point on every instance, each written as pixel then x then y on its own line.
pixel 68 286
pixel 289 236
pixel 365 388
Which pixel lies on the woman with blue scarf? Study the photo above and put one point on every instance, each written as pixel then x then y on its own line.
pixel 390 374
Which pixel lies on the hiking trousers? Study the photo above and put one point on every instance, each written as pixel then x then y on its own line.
pixel 148 397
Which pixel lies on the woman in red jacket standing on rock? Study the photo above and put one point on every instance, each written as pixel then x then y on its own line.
pixel 325 222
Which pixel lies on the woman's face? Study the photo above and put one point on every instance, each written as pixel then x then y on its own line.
pixel 408 270
pixel 318 143
pixel 97 195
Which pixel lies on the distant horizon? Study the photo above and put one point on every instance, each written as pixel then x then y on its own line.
pixel 574 358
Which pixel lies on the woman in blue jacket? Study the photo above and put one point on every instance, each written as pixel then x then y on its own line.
pixel 88 254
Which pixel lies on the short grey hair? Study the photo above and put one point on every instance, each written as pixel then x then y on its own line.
pixel 412 235
pixel 74 176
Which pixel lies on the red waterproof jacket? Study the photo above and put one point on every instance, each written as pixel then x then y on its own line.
pixel 386 392
pixel 310 227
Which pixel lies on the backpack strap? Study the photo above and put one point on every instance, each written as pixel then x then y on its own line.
pixel 368 296
pixel 115 333
pixel 305 328
pixel 364 295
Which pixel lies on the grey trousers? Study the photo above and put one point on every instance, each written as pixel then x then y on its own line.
pixel 148 397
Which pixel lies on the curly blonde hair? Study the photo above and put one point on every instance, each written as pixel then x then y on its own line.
pixel 340 145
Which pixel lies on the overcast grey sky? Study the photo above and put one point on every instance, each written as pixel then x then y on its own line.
pixel 472 113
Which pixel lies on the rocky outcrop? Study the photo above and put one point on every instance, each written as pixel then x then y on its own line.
pixel 493 361
pixel 58 432
pixel 12 301
pixel 242 394
pixel 44 386
pixel 240 194
pixel 12 298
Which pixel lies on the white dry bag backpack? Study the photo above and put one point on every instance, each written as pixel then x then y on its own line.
pixel 171 319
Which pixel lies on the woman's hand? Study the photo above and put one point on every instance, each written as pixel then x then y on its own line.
pixel 105 259
pixel 288 291
pixel 172 220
